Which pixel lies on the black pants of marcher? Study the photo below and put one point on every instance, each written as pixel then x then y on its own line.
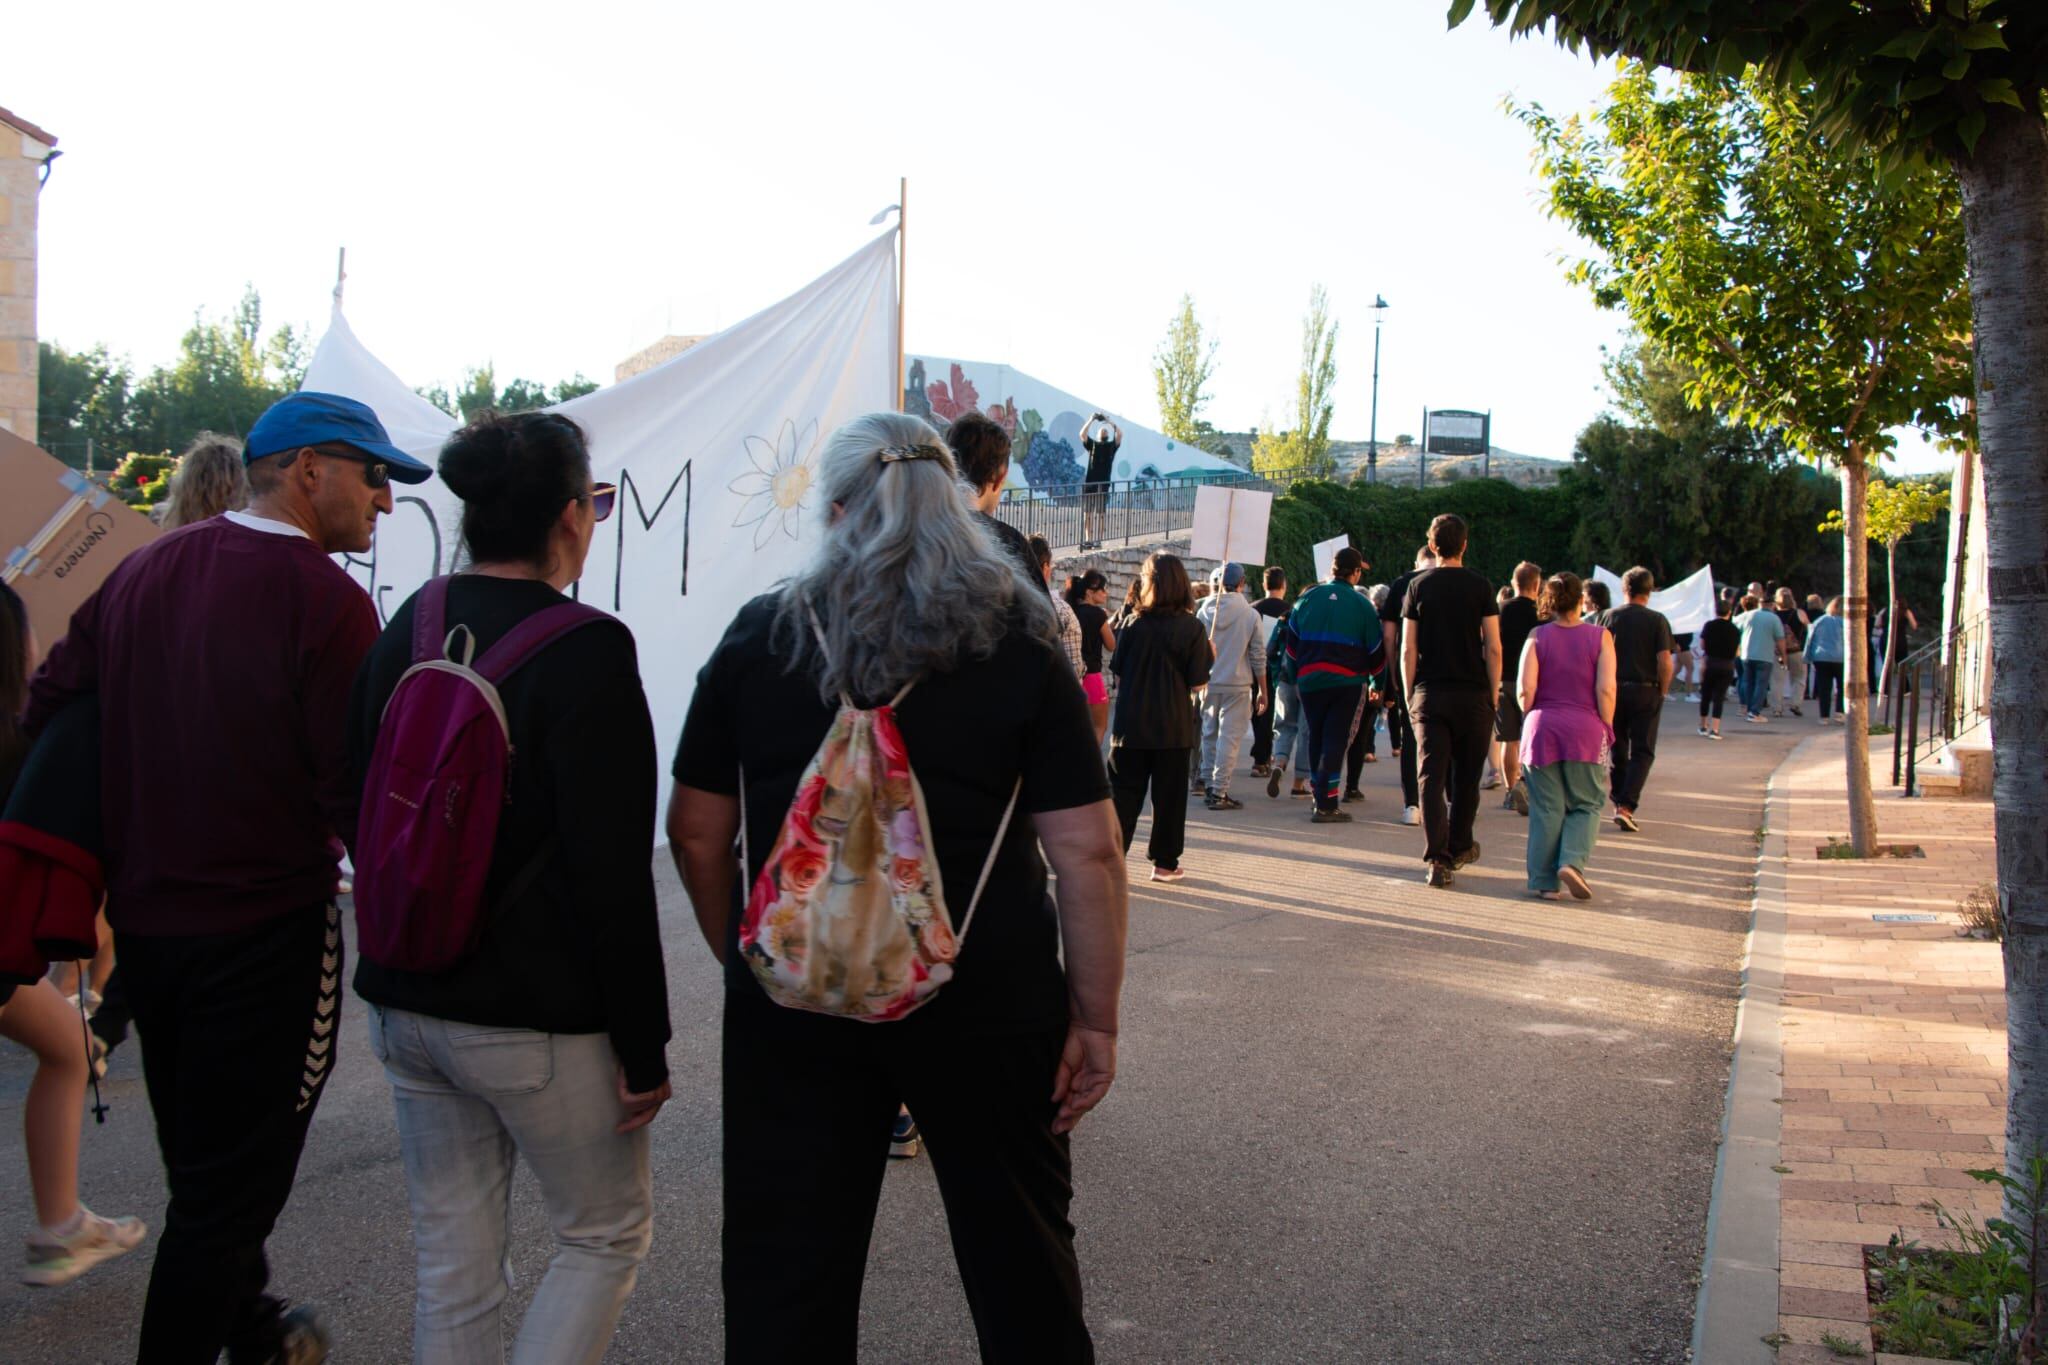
pixel 1165 773
pixel 1332 716
pixel 1638 710
pixel 808 1102
pixel 238 1038
pixel 1401 733
pixel 1455 726
pixel 1714 684
pixel 1362 743
pixel 1827 688
pixel 1262 734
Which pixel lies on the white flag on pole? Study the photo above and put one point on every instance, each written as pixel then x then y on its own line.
pixel 714 452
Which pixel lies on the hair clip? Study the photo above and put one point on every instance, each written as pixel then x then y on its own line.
pixel 895 454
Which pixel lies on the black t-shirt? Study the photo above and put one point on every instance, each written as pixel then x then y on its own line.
pixel 1720 640
pixel 1449 606
pixel 1397 606
pixel 1639 634
pixel 1101 458
pixel 580 951
pixel 1092 619
pixel 1795 628
pixel 1159 660
pixel 1517 619
pixel 971 734
pixel 1272 606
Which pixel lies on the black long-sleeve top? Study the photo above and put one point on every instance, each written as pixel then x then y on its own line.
pixel 580 950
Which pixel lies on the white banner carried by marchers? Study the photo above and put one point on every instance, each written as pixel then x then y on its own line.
pixel 1687 604
pixel 714 452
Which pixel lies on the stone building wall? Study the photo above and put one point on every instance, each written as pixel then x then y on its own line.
pixel 23 148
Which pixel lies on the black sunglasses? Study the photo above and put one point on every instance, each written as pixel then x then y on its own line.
pixel 376 473
pixel 603 496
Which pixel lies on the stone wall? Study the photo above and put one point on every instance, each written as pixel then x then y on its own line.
pixel 1120 566
pixel 23 148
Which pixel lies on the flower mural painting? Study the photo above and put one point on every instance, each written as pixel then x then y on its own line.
pixel 773 493
pixel 955 399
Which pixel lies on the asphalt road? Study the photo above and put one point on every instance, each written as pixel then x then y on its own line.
pixel 1357 1119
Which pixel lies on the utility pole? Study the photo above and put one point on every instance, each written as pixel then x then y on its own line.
pixel 1372 443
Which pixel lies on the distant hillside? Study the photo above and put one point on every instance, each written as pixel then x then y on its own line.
pixel 1398 466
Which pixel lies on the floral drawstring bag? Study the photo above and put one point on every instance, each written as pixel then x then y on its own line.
pixel 848 916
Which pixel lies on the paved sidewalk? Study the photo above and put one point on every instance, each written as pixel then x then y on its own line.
pixel 1892 1045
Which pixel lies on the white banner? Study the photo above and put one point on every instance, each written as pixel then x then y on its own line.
pixel 1687 605
pixel 714 452
pixel 1230 524
pixel 1325 553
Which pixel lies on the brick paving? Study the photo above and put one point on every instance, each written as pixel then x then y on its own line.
pixel 1894 1048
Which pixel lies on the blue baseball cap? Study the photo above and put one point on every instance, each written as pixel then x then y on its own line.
pixel 306 418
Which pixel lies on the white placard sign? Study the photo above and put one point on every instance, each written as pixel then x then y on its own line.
pixel 714 452
pixel 1230 524
pixel 1687 604
pixel 1326 557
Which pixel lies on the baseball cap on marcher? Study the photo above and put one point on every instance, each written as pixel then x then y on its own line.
pixel 1233 576
pixel 306 418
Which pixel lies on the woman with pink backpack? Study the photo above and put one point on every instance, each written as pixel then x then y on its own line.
pixel 518 1002
pixel 889 739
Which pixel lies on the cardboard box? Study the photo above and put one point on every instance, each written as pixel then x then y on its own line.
pixel 60 535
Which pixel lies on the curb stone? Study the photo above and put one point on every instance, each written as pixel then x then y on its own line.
pixel 1738 1299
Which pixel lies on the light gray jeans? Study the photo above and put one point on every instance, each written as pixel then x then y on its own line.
pixel 1226 715
pixel 471 1101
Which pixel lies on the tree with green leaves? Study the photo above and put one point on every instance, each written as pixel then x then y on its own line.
pixel 1306 445
pixel 1804 294
pixel 1181 368
pixel 1891 513
pixel 82 405
pixel 1965 83
pixel 479 392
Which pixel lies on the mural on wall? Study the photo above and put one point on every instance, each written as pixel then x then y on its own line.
pixel 1044 424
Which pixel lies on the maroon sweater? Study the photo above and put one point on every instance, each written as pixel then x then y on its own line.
pixel 223 658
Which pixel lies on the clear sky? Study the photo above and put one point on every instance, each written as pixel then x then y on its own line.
pixel 550 187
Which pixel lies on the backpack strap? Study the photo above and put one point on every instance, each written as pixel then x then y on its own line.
pixel 989 864
pixel 818 630
pixel 430 620
pixel 534 634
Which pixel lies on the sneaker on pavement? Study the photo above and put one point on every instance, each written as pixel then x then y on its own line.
pixel 1274 777
pixel 1439 875
pixel 305 1339
pixel 1352 794
pixel 903 1139
pixel 1797 712
pixel 1330 817
pixel 1491 782
pixel 1219 801
pixel 1196 786
pixel 1518 797
pixel 1411 815
pixel 1301 793
pixel 1468 857
pixel 1626 819
pixel 1259 769
pixel 1713 734
pixel 54 1260
pixel 1168 874
pixel 1703 729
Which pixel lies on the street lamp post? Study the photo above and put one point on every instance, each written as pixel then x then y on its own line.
pixel 1372 444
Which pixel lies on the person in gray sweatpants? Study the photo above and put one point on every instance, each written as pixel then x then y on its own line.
pixel 1236 682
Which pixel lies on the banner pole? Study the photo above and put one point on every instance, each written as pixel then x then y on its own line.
pixel 902 261
pixel 340 275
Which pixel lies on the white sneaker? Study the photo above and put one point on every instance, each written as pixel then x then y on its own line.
pixel 1411 815
pixel 54 1260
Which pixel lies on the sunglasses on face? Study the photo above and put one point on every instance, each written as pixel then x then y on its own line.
pixel 603 496
pixel 376 473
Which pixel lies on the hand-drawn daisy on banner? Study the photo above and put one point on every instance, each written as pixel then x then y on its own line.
pixel 772 493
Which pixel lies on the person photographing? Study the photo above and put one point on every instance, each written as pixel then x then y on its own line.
pixel 1101 439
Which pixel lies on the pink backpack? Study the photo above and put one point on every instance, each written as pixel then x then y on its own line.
pixel 438 781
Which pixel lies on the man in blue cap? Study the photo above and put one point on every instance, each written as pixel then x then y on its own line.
pixel 223 655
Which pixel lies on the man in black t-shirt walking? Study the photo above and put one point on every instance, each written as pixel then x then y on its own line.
pixel 1400 725
pixel 1450 649
pixel 1273 608
pixel 1642 675
pixel 1517 619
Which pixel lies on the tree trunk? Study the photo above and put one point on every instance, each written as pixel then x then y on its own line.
pixel 1856 663
pixel 2005 214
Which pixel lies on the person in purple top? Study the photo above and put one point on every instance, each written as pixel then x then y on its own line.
pixel 1566 687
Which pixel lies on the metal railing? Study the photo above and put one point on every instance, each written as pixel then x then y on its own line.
pixel 1129 511
pixel 1942 682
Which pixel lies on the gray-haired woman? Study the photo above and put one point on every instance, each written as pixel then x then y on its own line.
pixel 908 588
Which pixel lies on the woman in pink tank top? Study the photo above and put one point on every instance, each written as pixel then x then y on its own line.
pixel 1566 687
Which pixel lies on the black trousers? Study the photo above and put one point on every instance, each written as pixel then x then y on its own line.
pixel 808 1102
pixel 1362 743
pixel 1262 733
pixel 1165 773
pixel 1456 729
pixel 1827 688
pixel 1332 718
pixel 1638 710
pixel 1714 684
pixel 238 1038
pixel 1401 734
